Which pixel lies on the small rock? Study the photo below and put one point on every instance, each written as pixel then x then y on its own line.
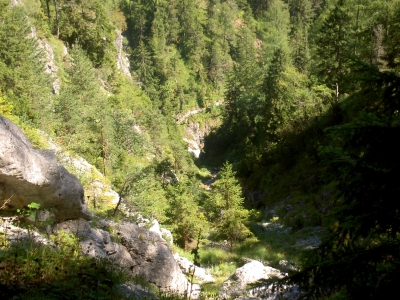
pixel 187 267
pixel 286 266
pixel 134 291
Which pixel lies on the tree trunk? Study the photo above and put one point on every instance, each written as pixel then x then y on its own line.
pixel 57 18
pixel 48 9
pixel 103 151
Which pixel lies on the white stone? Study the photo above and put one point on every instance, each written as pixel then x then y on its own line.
pixel 249 273
pixel 252 272
pixel 187 267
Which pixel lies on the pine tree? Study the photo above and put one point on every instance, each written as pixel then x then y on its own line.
pixel 82 111
pixel 333 47
pixel 184 212
pixel 392 38
pixel 143 65
pixel 226 207
pixel 301 15
pixel 22 75
pixel 277 105
pixel 191 38
pixel 275 28
pixel 86 23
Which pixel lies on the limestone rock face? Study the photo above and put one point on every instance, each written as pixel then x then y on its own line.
pixel 30 175
pixel 140 252
pixel 17 235
pixel 122 59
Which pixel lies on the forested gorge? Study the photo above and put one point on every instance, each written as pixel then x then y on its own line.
pixel 299 101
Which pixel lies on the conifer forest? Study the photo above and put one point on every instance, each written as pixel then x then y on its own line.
pixel 293 107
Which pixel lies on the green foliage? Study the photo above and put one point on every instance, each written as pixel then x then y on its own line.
pixel 148 197
pixel 86 23
pixel 184 212
pixel 37 139
pixel 82 112
pixel 333 45
pixel 392 40
pixel 225 207
pixel 364 231
pixel 6 108
pixel 22 76
pixel 306 120
pixel 55 271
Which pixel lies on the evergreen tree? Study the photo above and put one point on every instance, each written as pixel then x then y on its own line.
pixel 360 257
pixel 191 37
pixel 226 207
pixel 184 212
pixel 22 75
pixel 139 20
pixel 87 23
pixel 275 29
pixel 392 37
pixel 82 111
pixel 277 106
pixel 301 15
pixel 333 47
pixel 143 65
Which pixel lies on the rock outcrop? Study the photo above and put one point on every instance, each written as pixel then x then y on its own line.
pixel 249 273
pixel 142 253
pixel 187 267
pixel 97 189
pixel 195 138
pixel 271 293
pixel 18 235
pixel 121 59
pixel 235 286
pixel 30 175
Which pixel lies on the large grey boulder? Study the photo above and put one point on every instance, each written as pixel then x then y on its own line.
pixel 140 252
pixel 235 286
pixel 30 175
pixel 247 274
pixel 252 272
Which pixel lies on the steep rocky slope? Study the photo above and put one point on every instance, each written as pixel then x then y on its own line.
pixel 29 175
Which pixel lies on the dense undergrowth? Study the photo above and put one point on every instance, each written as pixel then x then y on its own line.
pixel 32 270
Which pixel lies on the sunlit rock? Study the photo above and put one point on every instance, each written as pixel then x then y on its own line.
pixel 140 252
pixel 30 175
